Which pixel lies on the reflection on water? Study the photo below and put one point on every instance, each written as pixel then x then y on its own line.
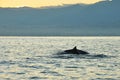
pixel 37 59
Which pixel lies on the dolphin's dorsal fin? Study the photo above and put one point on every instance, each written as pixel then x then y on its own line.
pixel 75 48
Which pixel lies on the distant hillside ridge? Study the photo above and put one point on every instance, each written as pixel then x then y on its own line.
pixel 102 18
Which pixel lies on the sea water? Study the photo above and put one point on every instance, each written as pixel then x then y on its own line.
pixel 36 58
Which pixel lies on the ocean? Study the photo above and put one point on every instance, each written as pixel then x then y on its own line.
pixel 37 58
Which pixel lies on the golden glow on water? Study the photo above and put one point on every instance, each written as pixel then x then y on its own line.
pixel 41 3
pixel 25 58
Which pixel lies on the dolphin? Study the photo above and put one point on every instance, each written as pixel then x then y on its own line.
pixel 75 51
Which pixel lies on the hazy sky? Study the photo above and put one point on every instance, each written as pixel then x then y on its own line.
pixel 41 3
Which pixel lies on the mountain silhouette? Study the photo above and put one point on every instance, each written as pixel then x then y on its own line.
pixel 102 18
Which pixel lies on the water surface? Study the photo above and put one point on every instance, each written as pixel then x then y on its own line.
pixel 36 58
